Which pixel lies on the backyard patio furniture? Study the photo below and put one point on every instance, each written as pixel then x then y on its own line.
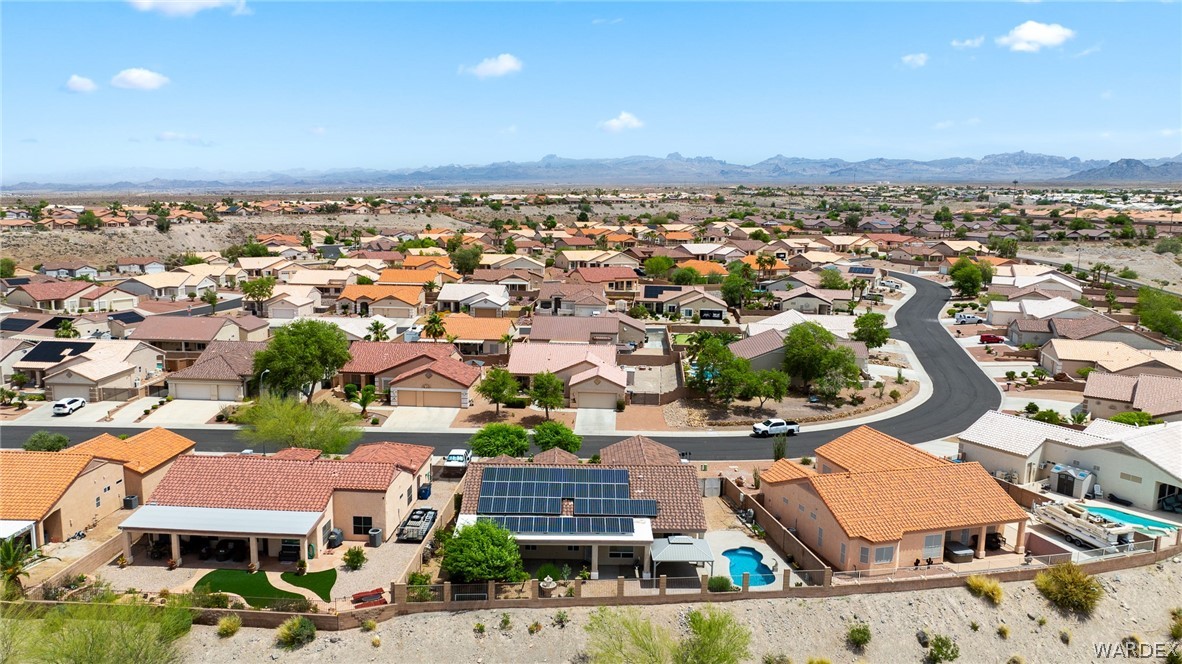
pixel 368 605
pixel 368 595
pixel 1119 501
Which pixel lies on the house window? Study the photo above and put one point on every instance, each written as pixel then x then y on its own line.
pixel 883 554
pixel 670 308
pixel 620 552
pixel 864 555
pixel 687 313
pixel 785 499
pixel 800 507
pixel 820 537
pixel 106 489
pixel 325 531
pixel 1130 478
pixel 410 495
pixel 825 468
pixel 933 545
pixel 813 516
pixel 529 547
pixel 98 501
pixel 841 554
pixel 362 524
pixel 574 548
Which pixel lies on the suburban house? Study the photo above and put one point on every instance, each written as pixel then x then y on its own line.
pixel 110 370
pixel 479 300
pixel 1001 312
pixel 473 336
pixel 382 300
pixel 511 262
pixel 588 371
pixel 275 506
pixel 108 298
pixel 1141 465
pixel 254 267
pixel 139 265
pixel 684 301
pixel 611 328
pixel 813 259
pixel 1070 355
pixel 648 498
pixel 223 275
pixel 169 285
pixel 1160 397
pixel 809 300
pixel 11 352
pixel 146 457
pixel 409 277
pixel 184 338
pixel 565 299
pixel 413 374
pixel 614 279
pixel 51 295
pixel 330 283
pixel 765 350
pixel 223 372
pixel 49 496
pixel 70 269
pixel 582 258
pixel 872 503
pixel 289 301
pixel 517 281
pixel 1096 327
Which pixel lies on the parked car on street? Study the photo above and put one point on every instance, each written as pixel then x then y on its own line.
pixel 992 339
pixel 775 427
pixel 963 318
pixel 67 406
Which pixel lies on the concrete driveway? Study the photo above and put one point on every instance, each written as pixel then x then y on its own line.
pixel 182 412
pixel 420 418
pixel 89 414
pixel 595 421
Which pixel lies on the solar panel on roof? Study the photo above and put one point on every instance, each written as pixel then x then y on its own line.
pixel 861 269
pixel 16 324
pixel 564 525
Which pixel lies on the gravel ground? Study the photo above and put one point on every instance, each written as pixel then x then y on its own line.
pixel 1137 602
pixel 1148 265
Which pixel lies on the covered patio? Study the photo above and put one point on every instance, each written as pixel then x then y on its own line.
pixel 681 549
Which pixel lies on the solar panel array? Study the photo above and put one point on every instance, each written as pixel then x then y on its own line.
pixel 861 269
pixel 519 505
pixel 564 525
pixel 555 474
pixel 615 507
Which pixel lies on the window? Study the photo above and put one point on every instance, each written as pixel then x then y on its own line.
pixel 410 495
pixel 529 547
pixel 98 501
pixel 620 552
pixel 1130 478
pixel 687 313
pixel 883 554
pixel 841 554
pixel 800 507
pixel 813 516
pixel 574 548
pixel 933 545
pixel 785 499
pixel 670 308
pixel 362 524
pixel 864 555
pixel 820 537
pixel 325 531
pixel 964 536
pixel 106 489
pixel 825 468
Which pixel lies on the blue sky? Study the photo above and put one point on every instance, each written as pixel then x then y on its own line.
pixel 286 85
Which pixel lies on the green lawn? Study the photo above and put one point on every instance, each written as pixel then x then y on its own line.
pixel 320 583
pixel 255 589
pixel 681 338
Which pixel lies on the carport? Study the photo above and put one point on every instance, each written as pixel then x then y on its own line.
pixel 681 549
pixel 254 526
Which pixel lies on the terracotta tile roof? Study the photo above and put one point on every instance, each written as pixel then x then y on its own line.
pixel 412 295
pixel 454 370
pixel 55 290
pixel 466 327
pixel 32 482
pixel 142 452
pixel 598 275
pixel 494 275
pixel 533 358
pixel 571 328
pixel 867 450
pixel 265 483
pixel 639 451
pixel 223 360
pixel 178 328
pixel 405 276
pixel 675 487
pixel 418 261
pixel 578 293
pixel 882 506
pixel 786 471
pixel 753 261
pixel 409 458
pixel 371 357
pixel 555 456
pixel 703 267
pixel 1082 328
pixel 297 454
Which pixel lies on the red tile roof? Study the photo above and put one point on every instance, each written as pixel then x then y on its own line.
pixel 297 454
pixel 454 370
pixel 867 450
pixel 55 290
pixel 597 275
pixel 371 357
pixel 142 452
pixel 409 458
pixel 639 451
pixel 32 482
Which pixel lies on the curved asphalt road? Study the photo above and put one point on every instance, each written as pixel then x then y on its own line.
pixel 961 393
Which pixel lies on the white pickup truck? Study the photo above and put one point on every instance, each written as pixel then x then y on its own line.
pixel 775 427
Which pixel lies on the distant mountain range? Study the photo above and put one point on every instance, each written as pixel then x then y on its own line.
pixel 673 169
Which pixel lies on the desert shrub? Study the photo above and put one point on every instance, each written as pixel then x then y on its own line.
pixel 296 631
pixel 506 622
pixel 943 649
pixel 229 625
pixel 293 605
pixel 984 586
pixel 561 619
pixel 534 627
pixel 479 629
pixel 516 402
pixel 975 626
pixel 354 558
pixel 777 658
pixel 376 641
pixel 720 584
pixel 369 625
pixel 549 570
pixel 858 636
pixel 1069 588
pixel 1003 631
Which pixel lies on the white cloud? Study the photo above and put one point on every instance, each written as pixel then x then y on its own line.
pixel 318 131
pixel 975 42
pixel 80 84
pixel 606 21
pixel 139 79
pixel 186 8
pixel 1032 36
pixel 187 139
pixel 1087 51
pixel 621 122
pixel 943 124
pixel 501 65
pixel 915 60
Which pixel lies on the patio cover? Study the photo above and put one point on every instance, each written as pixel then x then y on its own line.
pixel 682 549
pixel 10 528
pixel 165 518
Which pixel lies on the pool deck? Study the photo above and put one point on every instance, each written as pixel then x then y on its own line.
pixel 724 540
pixel 1152 516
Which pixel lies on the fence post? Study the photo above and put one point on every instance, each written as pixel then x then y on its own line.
pixel 619 586
pixel 492 590
pixel 533 588
pixel 746 581
pixel 663 584
pixel 787 578
pixel 578 587
pixel 399 594
pixel 447 592
pixel 705 584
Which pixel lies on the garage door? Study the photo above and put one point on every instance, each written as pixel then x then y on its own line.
pixel 71 391
pixel 596 400
pixel 227 392
pixel 428 398
pixel 197 391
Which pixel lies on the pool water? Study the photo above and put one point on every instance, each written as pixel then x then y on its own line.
pixel 1131 519
pixel 746 559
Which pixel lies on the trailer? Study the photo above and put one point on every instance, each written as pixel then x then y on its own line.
pixel 1082 528
pixel 417 525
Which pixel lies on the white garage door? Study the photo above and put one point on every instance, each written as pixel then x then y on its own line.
pixel 597 400
pixel 428 398
pixel 227 392
pixel 198 391
pixel 71 391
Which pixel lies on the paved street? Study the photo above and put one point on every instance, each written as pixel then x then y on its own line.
pixel 961 393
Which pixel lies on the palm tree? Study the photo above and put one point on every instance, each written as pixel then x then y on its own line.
pixel 65 330
pixel 507 340
pixel 766 262
pixel 15 559
pixel 429 287
pixel 857 286
pixel 435 327
pixel 377 332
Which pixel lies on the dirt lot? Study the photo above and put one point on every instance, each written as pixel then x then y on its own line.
pixel 695 414
pixel 1151 268
pixel 482 412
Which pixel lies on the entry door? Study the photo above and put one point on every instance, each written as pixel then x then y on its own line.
pixel 1066 484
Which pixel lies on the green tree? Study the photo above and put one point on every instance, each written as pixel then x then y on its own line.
pixel 365 398
pixel 377 331
pixel 363 280
pixel 1135 418
pixel 45 441
pixel 832 280
pixel 258 291
pixel 302 354
pixel 7 268
pixel 871 330
pixel 279 423
pixel 715 637
pixel 657 265
pixel 510 247
pixel 736 289
pixel 500 438
pixel 966 277
pixel 766 384
pixel 547 391
pixel 685 276
pixel 483 551
pixel 89 221
pixel 1158 311
pixel 806 347
pixel 210 297
pixel 434 328
pixel 466 260
pixel 66 330
pixel 551 434
pixel 16 556
pixel 354 558
pixel 498 387
pixel 839 370
pixel 163 223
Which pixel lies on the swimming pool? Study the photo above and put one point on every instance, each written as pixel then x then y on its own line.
pixel 747 559
pixel 1131 519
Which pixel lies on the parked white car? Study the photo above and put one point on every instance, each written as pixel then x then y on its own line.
pixel 963 317
pixel 775 427
pixel 891 284
pixel 458 459
pixel 67 406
